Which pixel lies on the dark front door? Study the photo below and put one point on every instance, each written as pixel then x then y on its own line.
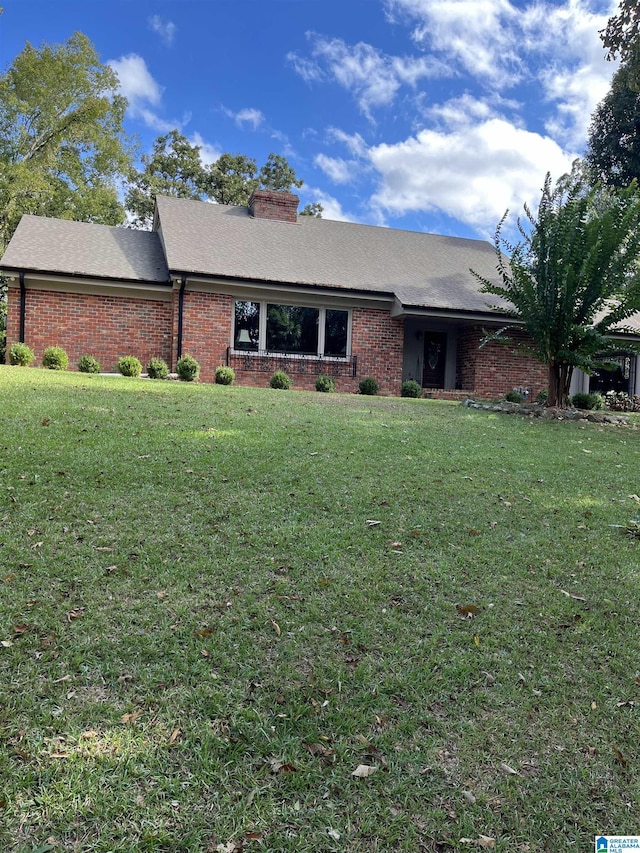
pixel 435 351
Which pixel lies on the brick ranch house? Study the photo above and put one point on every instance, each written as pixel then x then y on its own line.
pixel 262 289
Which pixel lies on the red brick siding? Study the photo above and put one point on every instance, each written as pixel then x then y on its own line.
pixel 206 330
pixel 378 341
pixel 496 368
pixel 107 327
pixel 13 318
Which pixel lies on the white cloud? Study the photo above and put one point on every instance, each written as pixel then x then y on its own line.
pixel 249 116
pixel 332 209
pixel 165 29
pixel 354 142
pixel 136 83
pixel 208 153
pixel 471 173
pixel 338 170
pixel 478 34
pixel 142 91
pixel 371 76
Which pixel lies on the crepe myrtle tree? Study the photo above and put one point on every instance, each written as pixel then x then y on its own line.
pixel 573 278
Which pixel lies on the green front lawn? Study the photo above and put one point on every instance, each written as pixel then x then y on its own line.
pixel 217 603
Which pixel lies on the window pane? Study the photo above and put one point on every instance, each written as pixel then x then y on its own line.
pixel 247 322
pixel 335 332
pixel 291 328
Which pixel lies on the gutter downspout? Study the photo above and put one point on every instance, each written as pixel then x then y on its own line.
pixel 183 284
pixel 23 307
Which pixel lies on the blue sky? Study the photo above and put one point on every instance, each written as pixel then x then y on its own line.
pixel 431 115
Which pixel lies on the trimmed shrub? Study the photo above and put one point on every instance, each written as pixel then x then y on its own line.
pixel 368 386
pixel 280 380
pixel 157 369
pixel 21 355
pixel 325 384
pixel 541 396
pixel 513 397
pixel 411 388
pixel 89 364
pixel 187 369
pixel 225 375
pixel 129 365
pixel 55 358
pixel 590 402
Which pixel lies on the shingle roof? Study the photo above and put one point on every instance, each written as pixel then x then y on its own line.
pixel 421 270
pixel 80 248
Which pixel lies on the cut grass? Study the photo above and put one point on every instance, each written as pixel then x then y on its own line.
pixel 205 633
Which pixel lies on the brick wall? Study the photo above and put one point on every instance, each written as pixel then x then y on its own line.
pixel 378 341
pixel 496 368
pixel 107 327
pixel 206 330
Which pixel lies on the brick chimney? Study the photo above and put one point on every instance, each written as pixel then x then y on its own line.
pixel 274 204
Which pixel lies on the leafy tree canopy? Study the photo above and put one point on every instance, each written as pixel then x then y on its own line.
pixel 175 168
pixel 572 280
pixel 620 36
pixel 62 144
pixel 613 151
pixel 172 168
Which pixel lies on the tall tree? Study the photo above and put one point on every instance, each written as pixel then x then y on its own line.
pixel 62 144
pixel 175 168
pixel 232 179
pixel 172 168
pixel 621 35
pixel 277 174
pixel 613 149
pixel 573 279
pixel 314 209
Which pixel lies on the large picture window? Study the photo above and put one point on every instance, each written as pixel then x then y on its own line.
pixel 290 329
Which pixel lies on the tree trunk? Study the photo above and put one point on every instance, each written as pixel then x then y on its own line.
pixel 559 383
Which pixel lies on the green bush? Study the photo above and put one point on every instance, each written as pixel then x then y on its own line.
pixel 157 369
pixel 513 397
pixel 55 358
pixel 225 375
pixel 280 380
pixel 187 368
pixel 21 355
pixel 325 384
pixel 590 402
pixel 411 388
pixel 541 396
pixel 129 365
pixel 368 386
pixel 89 364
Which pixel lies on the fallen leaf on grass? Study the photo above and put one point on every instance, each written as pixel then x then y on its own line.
pixel 333 833
pixel 364 770
pixel 46 421
pixel 175 734
pixel 620 757
pixel 370 522
pixel 468 610
pixel 6 644
pixel 129 719
pixel 75 614
pixel 276 627
pixel 572 595
pixel 20 629
pixel 204 632
pixel 508 770
pixel 277 766
pixel 483 841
